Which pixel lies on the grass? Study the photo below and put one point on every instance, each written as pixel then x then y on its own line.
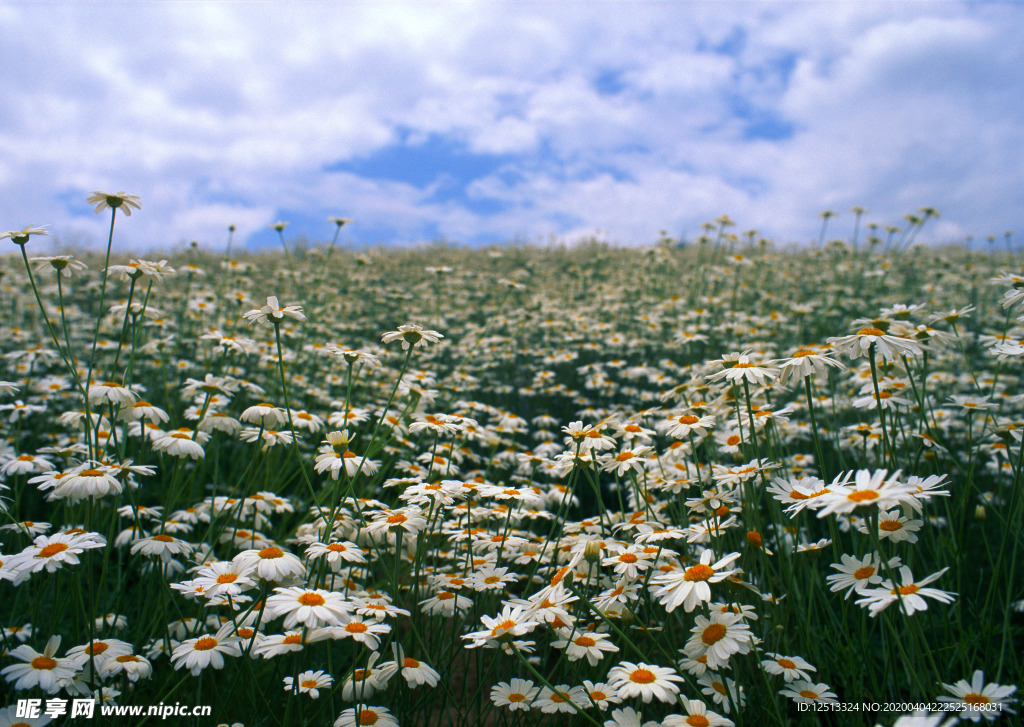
pixel 550 471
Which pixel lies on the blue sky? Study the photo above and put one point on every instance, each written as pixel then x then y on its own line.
pixel 482 122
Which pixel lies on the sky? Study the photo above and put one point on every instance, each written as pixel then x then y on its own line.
pixel 492 122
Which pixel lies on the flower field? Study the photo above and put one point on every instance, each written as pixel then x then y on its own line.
pixel 714 483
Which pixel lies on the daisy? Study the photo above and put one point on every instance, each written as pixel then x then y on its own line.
pixel 13 715
pixel 562 698
pixel 348 461
pixel 511 622
pixel 923 489
pixel 491 579
pixel 365 632
pixel 309 682
pixel 629 717
pixel 743 369
pixel 909 595
pixel 122 200
pixel 722 690
pixel 89 480
pixel 28 527
pixel 182 443
pixel 790 667
pixel 19 410
pixel 411 335
pixel 134 667
pixel 25 464
pixel 20 237
pixel 630 562
pixel 644 680
pixel 223 578
pixel 52 552
pixel 698 715
pixel 893 526
pixel 922 718
pixel 308 606
pixel 591 645
pixel 363 716
pixel 628 460
pixel 980 699
pixel 44 670
pixel 416 673
pixel 799 493
pixel 601 694
pixel 273 313
pixel 99 651
pixel 198 653
pixel 870 339
pixel 719 637
pixel 336 553
pixel 367 682
pixel 270 563
pixel 409 519
pixel 858 574
pixel 270 437
pixel 681 426
pixel 111 392
pixel 141 270
pixel 446 603
pixel 690 588
pixel 275 644
pixel 162 545
pixel 517 694
pixel 804 363
pixel 869 488
pixel 804 691
pixel 305 420
pixel 263 415
pixel 379 606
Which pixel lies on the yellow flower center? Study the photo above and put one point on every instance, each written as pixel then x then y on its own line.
pixel 699 572
pixel 713 634
pixel 311 599
pixel 51 550
pixel 642 676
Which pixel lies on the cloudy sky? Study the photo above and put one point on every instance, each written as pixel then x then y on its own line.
pixel 484 122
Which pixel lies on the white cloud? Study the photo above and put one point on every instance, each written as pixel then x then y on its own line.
pixel 629 118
